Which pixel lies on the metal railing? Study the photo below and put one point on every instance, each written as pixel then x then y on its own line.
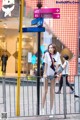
pixel 65 103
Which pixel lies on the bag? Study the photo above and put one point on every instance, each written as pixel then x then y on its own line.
pixel 60 69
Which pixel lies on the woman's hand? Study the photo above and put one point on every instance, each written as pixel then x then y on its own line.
pixel 44 75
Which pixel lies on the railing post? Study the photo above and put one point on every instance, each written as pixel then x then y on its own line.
pixel 4 94
pixel 4 113
pixel 64 96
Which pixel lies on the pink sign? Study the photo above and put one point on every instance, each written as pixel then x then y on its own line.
pixel 0 4
pixel 47 10
pixel 47 13
pixel 37 15
pixel 54 16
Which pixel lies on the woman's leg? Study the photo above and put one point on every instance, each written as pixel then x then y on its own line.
pixel 60 83
pixel 52 96
pixel 68 84
pixel 45 92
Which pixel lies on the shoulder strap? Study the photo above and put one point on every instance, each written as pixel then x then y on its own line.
pixel 51 59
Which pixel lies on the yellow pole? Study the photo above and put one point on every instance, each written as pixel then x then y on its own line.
pixel 19 60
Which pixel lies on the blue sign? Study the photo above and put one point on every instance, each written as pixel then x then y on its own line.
pixel 38 21
pixel 42 47
pixel 33 29
pixel 34 58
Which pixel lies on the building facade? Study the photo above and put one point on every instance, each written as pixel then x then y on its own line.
pixel 65 29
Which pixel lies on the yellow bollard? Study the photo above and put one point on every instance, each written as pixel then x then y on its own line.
pixel 19 60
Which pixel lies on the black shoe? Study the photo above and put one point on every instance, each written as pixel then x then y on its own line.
pixel 59 92
pixel 76 96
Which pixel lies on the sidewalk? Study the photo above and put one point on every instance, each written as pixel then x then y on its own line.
pixel 57 117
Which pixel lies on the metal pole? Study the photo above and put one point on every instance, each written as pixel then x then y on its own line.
pixel 19 60
pixel 38 74
pixel 64 96
pixel 39 5
pixel 4 94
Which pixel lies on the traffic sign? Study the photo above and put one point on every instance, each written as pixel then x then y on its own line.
pixel 38 21
pixel 47 10
pixel 47 13
pixel 33 29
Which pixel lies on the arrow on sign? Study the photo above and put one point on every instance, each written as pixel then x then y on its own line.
pixel 56 16
pixel 38 21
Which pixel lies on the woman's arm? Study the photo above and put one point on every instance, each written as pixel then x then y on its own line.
pixel 64 65
pixel 45 70
pixel 46 65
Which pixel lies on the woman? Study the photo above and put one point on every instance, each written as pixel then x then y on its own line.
pixel 51 57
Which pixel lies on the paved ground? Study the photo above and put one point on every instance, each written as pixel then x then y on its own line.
pixel 60 117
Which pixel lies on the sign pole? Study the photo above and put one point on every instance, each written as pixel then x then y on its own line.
pixel 38 74
pixel 39 5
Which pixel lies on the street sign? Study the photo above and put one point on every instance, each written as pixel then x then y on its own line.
pixel 38 21
pixel 33 29
pixel 47 10
pixel 47 13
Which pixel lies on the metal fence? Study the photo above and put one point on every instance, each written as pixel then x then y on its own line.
pixel 65 103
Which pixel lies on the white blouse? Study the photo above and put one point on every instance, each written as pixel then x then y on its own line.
pixel 66 68
pixel 48 61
